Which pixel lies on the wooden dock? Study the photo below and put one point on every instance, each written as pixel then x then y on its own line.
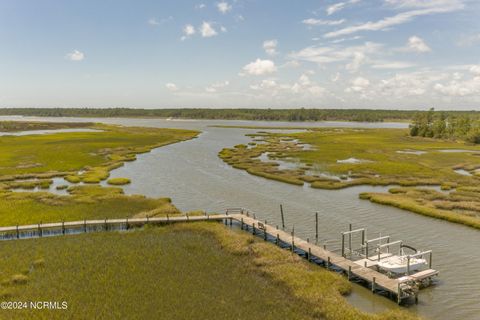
pixel 401 288
pixel 64 227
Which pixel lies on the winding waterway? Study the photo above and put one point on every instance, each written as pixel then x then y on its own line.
pixel 195 178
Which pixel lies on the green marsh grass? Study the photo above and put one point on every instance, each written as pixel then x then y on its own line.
pixel 85 202
pixel 118 181
pixel 184 271
pixel 66 153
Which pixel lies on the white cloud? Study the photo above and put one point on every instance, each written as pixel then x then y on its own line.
pixel 200 6
pixel 459 87
pixel 265 85
pixel 270 47
pixel 475 69
pixel 223 29
pixel 216 86
pixel 188 30
pixel 359 84
pixel 422 8
pixel 320 22
pixel 404 85
pixel 355 56
pixel 171 86
pixel 339 6
pixel 154 22
pixel 359 58
pixel 303 86
pixel 224 7
pixel 239 18
pixel 260 67
pixel 400 4
pixel 75 55
pixel 207 30
pixel 416 44
pixel 469 40
pixel 392 65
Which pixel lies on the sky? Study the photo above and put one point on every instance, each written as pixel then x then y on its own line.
pixel 388 54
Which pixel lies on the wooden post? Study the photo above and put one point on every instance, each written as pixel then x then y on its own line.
pixel 63 227
pixel 293 241
pixel 349 274
pixel 265 231
pixel 277 241
pixel 308 240
pixel 230 222
pixel 350 239
pixel 430 260
pixel 343 244
pixel 241 224
pixel 18 233
pixel 328 262
pixel 324 247
pixel 316 227
pixel 283 218
pixel 85 225
pixel 126 223
pixel 39 230
pixel 254 217
pixel 309 254
pixel 373 284
pixel 106 226
pixel 168 218
pixel 253 228
pixel 408 265
pixel 399 296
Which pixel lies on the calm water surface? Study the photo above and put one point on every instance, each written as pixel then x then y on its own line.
pixel 195 178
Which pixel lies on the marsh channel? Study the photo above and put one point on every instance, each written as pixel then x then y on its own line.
pixel 193 175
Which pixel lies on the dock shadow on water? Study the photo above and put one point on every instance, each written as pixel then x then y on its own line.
pixel 195 178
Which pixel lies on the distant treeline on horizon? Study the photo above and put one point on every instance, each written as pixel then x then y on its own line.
pixel 367 115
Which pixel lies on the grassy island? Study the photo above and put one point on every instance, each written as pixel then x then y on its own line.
pixel 334 158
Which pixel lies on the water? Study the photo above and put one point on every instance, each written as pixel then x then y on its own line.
pixel 463 172
pixel 194 177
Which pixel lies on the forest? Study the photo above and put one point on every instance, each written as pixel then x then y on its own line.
pixel 303 114
pixel 442 125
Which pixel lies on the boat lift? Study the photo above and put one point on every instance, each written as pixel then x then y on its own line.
pixel 373 252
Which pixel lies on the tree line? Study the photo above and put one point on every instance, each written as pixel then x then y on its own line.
pixel 442 125
pixel 303 114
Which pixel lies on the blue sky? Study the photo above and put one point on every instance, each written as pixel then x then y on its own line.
pixel 406 54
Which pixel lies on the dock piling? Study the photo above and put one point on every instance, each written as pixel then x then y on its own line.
pixel 283 218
